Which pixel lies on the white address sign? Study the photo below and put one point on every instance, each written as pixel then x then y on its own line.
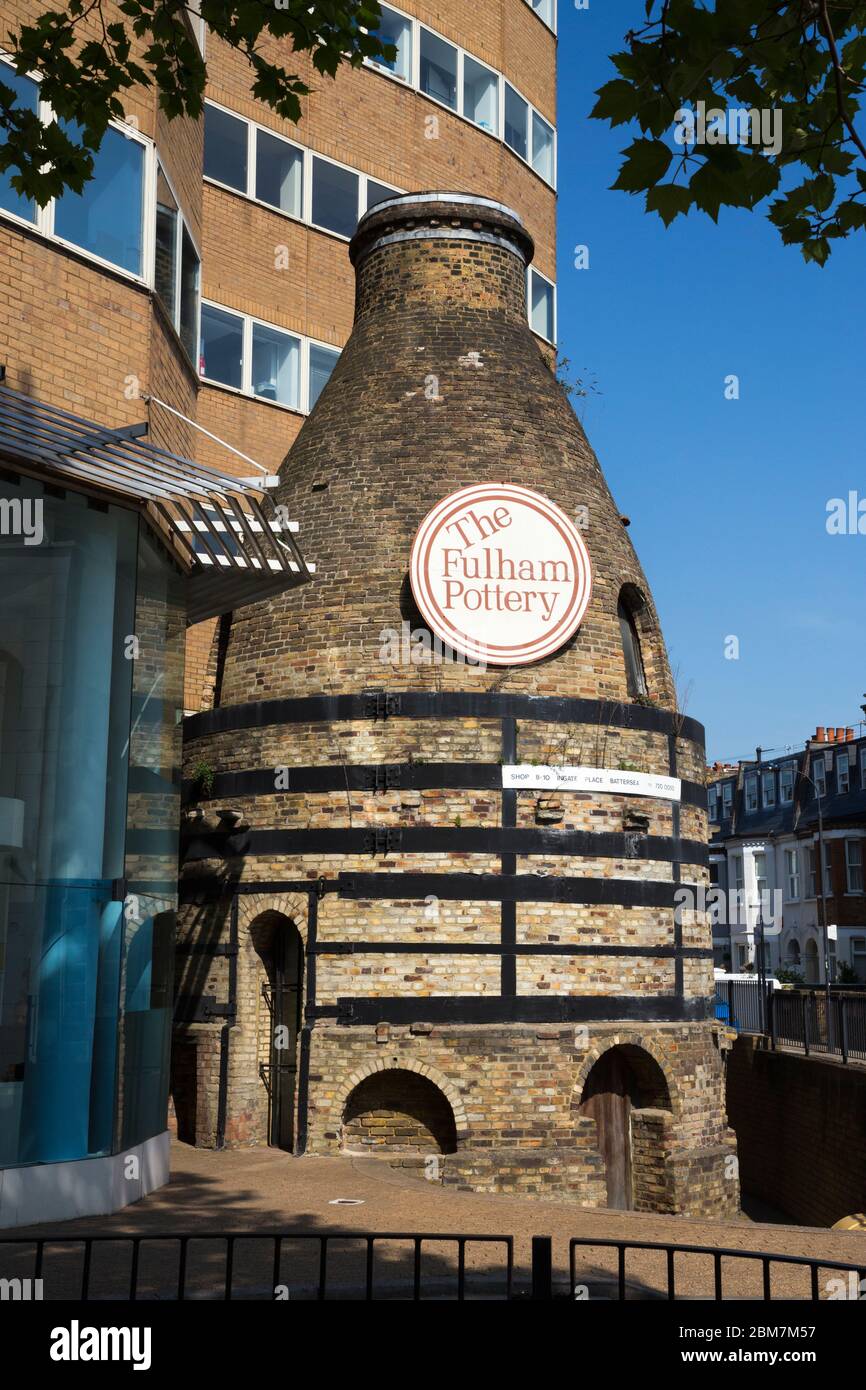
pixel 591 779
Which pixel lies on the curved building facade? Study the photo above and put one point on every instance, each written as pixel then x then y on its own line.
pixel 407 943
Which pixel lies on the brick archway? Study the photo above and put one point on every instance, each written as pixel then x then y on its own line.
pixel 431 1074
pixel 626 1040
pixel 253 905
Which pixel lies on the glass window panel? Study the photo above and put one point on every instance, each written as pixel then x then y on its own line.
pixel 439 69
pixel 480 95
pixel 393 28
pixel 323 360
pixel 377 192
pixel 165 281
pixel 279 173
pixel 65 690
pixel 222 346
pixel 276 366
pixel 105 218
pixel 544 10
pixel 26 97
pixel 189 275
pixel 335 197
pixel 542 147
pixel 541 306
pixel 516 122
pixel 225 148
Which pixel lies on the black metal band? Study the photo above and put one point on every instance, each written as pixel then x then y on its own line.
pixel 512 949
pixel 422 839
pixel 381 777
pixel 525 1008
pixel 416 704
pixel 508 888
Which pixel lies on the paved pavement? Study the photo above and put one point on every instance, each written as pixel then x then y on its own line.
pixel 264 1190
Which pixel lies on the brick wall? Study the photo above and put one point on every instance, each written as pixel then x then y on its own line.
pixel 801 1130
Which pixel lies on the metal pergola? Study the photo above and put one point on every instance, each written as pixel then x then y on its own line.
pixel 225 533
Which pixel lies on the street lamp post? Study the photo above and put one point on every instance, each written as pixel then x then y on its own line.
pixel 825 928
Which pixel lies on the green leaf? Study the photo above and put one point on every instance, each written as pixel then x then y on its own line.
pixel 668 200
pixel 817 249
pixel 617 102
pixel 646 162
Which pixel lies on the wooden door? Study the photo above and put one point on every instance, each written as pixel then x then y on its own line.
pixel 607 1100
pixel 288 982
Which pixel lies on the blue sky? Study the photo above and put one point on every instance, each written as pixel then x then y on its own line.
pixel 727 498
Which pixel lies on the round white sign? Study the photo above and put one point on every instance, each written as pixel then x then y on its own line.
pixel 501 574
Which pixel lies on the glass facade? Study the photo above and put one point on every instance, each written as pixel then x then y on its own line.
pixel 91 665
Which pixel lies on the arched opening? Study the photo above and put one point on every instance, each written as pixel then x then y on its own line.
pixel 793 962
pixel 624 1080
pixel 627 609
pixel 811 962
pixel 279 1015
pixel 398 1111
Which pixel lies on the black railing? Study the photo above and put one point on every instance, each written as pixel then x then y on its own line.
pixel 625 1287
pixel 796 1017
pixel 363 1266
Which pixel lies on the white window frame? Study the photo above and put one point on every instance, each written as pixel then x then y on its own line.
pixel 820 766
pixel 863 768
pixel 44 220
pixel 768 791
pixel 843 767
pixel 751 784
pixel 852 868
pixel 246 387
pixel 552 24
pixel 462 53
pixel 530 271
pixel 787 770
pixel 182 224
pixel 727 799
pixel 792 875
pixel 712 804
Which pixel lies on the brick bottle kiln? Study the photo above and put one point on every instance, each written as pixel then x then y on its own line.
pixel 383 948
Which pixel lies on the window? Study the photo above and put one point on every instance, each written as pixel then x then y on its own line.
pixel 106 217
pixel 335 197
pixel 863 768
pixel 760 875
pixel 225 148
pixel 27 99
pixel 819 776
pixel 858 956
pixel 843 773
pixel 542 318
pixel 768 790
pixel 480 95
pixel 262 360
pixel 176 275
pixel 222 346
pixel 438 69
pixel 811 872
pixel 786 784
pixel 792 875
pixel 712 804
pixel 812 855
pixel 516 122
pixel 634 671
pixel 545 9
pixel 727 799
pixel 751 793
pixel 276 366
pixel 323 360
pixel 395 29
pixel 542 147
pixel 378 192
pixel 279 173
pixel 854 865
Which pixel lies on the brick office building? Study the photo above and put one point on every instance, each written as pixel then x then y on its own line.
pixel 385 947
